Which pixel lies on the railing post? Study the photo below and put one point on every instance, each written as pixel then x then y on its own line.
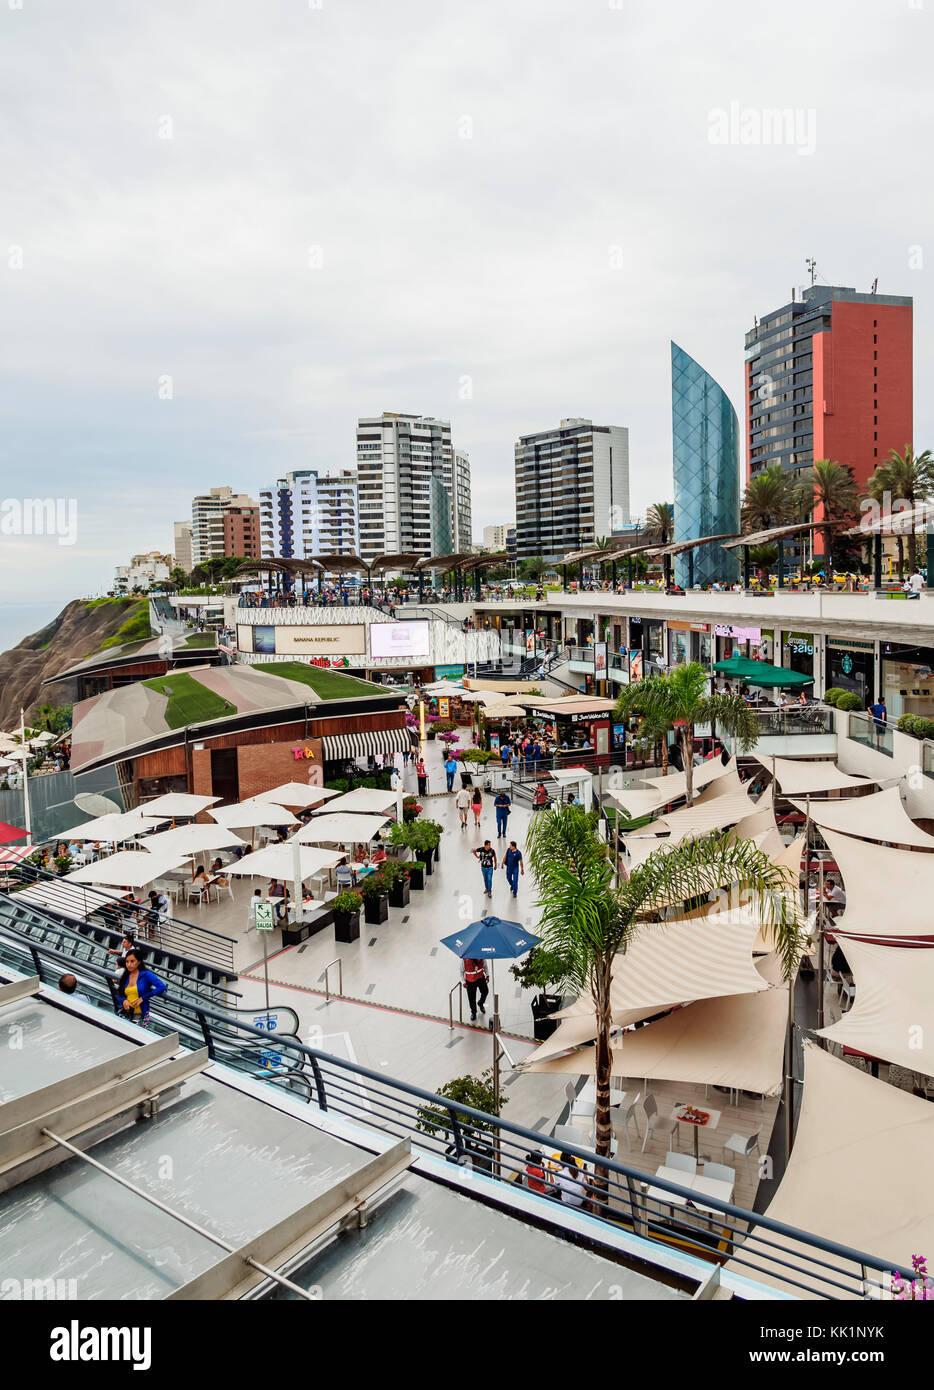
pixel 319 1084
pixel 459 1146
pixel 208 1037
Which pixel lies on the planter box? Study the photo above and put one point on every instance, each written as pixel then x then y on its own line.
pixel 399 893
pixel 426 859
pixel 376 910
pixel 416 875
pixel 346 926
pixel 544 1006
pixel 466 779
pixel 296 932
pixel 438 852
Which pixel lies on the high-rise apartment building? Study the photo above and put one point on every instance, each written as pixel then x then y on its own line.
pixel 241 532
pixel 309 513
pixel 494 537
pixel 207 521
pixel 182 546
pixel 572 486
pixel 399 459
pixel 829 376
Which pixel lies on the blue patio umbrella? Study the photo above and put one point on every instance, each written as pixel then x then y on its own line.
pixel 492 938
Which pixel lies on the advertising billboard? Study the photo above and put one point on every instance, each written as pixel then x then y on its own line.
pixel 409 639
pixel 599 660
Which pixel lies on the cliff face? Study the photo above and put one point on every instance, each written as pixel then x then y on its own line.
pixel 76 633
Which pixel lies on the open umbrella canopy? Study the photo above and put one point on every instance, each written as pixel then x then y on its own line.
pixel 294 795
pixel 278 861
pixel 492 938
pixel 130 868
pixel 113 829
pixel 366 800
pixel 174 804
pixel 743 668
pixel 342 828
pixel 9 833
pixel 246 815
pixel 191 839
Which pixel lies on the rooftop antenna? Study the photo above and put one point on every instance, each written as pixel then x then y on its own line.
pixel 875 285
pixel 812 267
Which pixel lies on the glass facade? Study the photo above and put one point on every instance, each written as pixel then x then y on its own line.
pixel 705 435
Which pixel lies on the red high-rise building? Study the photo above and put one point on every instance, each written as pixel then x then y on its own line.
pixel 829 376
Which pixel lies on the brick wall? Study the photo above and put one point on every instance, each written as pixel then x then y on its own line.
pixel 261 767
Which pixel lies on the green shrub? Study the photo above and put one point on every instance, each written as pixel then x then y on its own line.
pixel 832 695
pixel 907 723
pixel 925 727
pixel 374 885
pixel 848 700
pixel 347 902
pixel 478 755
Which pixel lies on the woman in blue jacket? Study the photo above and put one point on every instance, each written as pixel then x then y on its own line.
pixel 136 986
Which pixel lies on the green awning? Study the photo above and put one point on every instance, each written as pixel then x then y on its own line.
pixel 743 668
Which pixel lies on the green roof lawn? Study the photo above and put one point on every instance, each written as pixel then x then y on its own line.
pixel 327 684
pixel 199 639
pixel 189 702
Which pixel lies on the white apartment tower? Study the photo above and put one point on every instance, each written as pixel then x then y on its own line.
pixel 572 486
pixel 309 513
pixel 401 460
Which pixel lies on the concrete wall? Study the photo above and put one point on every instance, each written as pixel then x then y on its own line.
pixel 903 768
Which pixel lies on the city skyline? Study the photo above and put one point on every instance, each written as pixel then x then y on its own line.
pixel 211 298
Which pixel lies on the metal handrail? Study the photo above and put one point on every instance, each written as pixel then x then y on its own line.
pixel 500 1148
pixel 340 979
pixel 460 1003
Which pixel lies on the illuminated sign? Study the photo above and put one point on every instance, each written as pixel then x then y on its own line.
pixel 409 639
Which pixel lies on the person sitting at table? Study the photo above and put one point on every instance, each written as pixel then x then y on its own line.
pixel 279 890
pixel 569 1180
pixel 157 911
pixel 201 881
pixel 378 856
pixel 346 878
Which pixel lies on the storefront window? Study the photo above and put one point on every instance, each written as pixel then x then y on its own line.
pixel 907 680
pixel 850 667
pixel 677 648
pixel 798 652
pixel 702 649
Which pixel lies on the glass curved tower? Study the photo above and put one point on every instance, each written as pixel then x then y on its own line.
pixel 705 436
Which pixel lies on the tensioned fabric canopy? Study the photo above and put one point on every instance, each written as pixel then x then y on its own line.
pixel 278 861
pixel 889 892
pixel 678 960
pixel 503 711
pixel 761 673
pixel 130 868
pixel 893 1013
pixel 173 804
pixel 246 814
pixel 735 1041
pixel 798 776
pixel 881 816
pixel 368 800
pixel 701 818
pixel 775 533
pixel 642 801
pixel 860 1169
pixel 341 828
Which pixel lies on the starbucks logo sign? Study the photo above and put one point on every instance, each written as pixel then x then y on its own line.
pixel 846 664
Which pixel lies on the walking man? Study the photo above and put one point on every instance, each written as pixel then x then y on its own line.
pixel 512 863
pixel 462 802
pixel 450 767
pixel 502 806
pixel 474 979
pixel 487 857
pixel 421 772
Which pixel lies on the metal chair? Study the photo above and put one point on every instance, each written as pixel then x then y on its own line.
pixel 742 1146
pixel 566 1134
pixel 667 1124
pixel 847 995
pixel 624 1115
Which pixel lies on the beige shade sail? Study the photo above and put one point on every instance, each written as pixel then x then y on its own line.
pixel 678 960
pixel 703 817
pixel 860 1170
pixel 174 804
pixel 639 801
pixel 579 1029
pixel 893 1014
pixel 798 777
pixel 737 1041
pixel 368 800
pixel 278 861
pixel 889 892
pixel 246 815
pixel 881 816
pixel 294 795
pixel 672 785
pixel 341 828
pixel 129 868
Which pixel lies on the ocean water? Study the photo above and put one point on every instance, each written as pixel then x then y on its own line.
pixel 19 620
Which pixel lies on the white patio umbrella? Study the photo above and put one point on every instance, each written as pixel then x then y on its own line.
pixel 130 868
pixel 368 800
pixel 343 828
pixel 289 861
pixel 174 804
pixel 113 829
pixel 246 815
pixel 191 839
pixel 294 794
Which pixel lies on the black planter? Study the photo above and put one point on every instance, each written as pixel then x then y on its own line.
pixel 416 875
pixel 346 926
pixel 438 852
pixel 376 908
pixel 543 1007
pixel 426 858
pixel 466 779
pixel 399 893
pixel 292 935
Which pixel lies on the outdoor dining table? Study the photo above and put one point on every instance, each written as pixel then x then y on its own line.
pixel 681 1114
pixel 588 1095
pixel 706 1187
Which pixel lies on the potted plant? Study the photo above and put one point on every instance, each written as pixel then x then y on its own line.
pixel 375 893
pixel 346 907
pixel 432 835
pixel 410 809
pixel 538 970
pixel 475 758
pixel 397 876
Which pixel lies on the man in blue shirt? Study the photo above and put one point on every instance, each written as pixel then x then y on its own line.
pixel 450 767
pixel 512 863
pixel 880 717
pixel 502 806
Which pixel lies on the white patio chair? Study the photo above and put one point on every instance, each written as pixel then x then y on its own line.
pixel 624 1116
pixel 686 1163
pixel 567 1134
pixel 665 1124
pixel 847 995
pixel 743 1146
pixel 720 1172
pixel 583 1108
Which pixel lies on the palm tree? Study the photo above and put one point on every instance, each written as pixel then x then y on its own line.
pixel 769 499
pixel 680 700
pixel 586 921
pixel 659 525
pixel 830 489
pixel 907 478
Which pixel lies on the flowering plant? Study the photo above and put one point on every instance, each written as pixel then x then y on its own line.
pixel 921 1287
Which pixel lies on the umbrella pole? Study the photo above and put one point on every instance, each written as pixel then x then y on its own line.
pixel 820 946
pixel 495 1026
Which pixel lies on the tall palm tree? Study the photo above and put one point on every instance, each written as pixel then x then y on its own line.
pixel 830 491
pixel 907 478
pixel 768 500
pixel 660 523
pixel 587 921
pixel 680 700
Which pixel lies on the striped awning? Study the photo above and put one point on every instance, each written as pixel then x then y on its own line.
pixel 15 854
pixel 339 746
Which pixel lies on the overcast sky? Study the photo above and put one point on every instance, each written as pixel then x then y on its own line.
pixel 498 212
